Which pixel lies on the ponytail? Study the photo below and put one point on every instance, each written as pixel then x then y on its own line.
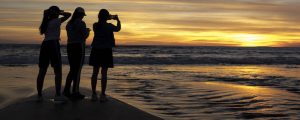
pixel 49 14
pixel 74 17
pixel 44 24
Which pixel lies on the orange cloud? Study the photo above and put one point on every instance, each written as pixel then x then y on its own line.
pixel 168 22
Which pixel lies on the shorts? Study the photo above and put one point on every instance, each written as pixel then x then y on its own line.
pixel 101 57
pixel 50 53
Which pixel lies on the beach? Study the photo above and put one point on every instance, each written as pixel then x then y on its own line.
pixel 176 83
pixel 182 91
pixel 156 59
pixel 31 109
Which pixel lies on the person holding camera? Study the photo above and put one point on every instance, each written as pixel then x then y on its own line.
pixel 101 53
pixel 77 34
pixel 50 49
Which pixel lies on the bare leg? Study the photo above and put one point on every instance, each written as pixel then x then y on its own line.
pixel 68 82
pixel 76 81
pixel 103 80
pixel 94 79
pixel 78 67
pixel 40 80
pixel 74 85
pixel 58 77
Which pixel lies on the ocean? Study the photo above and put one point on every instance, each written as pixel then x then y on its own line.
pixel 167 55
pixel 178 82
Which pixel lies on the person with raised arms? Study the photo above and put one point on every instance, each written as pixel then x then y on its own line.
pixel 50 49
pixel 101 53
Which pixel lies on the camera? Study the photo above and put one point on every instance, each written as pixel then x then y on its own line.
pixel 113 17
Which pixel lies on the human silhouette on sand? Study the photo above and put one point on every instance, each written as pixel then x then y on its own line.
pixel 50 49
pixel 101 53
pixel 77 35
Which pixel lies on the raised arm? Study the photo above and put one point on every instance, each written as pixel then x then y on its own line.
pixel 118 27
pixel 66 15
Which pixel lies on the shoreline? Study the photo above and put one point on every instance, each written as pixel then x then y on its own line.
pixel 177 92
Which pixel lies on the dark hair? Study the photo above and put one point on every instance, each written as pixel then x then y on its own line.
pixel 103 15
pixel 49 14
pixel 75 16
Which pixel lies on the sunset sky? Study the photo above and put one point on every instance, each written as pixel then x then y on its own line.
pixel 168 22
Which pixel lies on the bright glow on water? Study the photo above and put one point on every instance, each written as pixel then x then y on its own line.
pixel 184 91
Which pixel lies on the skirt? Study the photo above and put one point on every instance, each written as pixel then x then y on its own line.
pixel 101 57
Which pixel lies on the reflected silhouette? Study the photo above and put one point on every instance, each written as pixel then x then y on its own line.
pixel 50 49
pixel 101 53
pixel 77 35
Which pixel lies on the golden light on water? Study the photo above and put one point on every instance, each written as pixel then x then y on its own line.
pixel 250 90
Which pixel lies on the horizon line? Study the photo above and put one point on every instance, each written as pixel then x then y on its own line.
pixel 148 45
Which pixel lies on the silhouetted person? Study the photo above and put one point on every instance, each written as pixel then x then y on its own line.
pixel 77 34
pixel 50 49
pixel 101 53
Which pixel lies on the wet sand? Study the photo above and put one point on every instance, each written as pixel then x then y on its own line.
pixel 113 109
pixel 244 102
pixel 182 92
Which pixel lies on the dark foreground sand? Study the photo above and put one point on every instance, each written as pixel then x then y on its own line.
pixel 29 109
